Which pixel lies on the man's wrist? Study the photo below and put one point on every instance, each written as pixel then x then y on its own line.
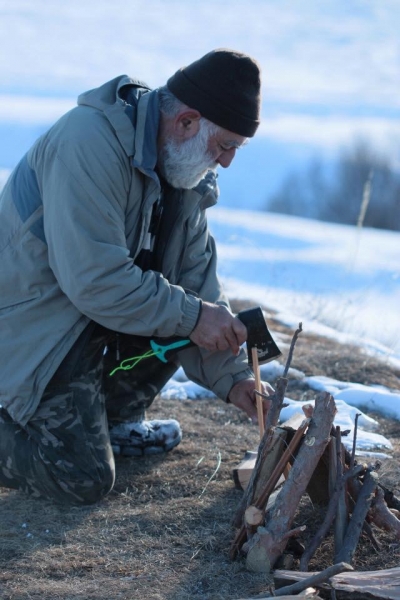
pixel 246 374
pixel 190 318
pixel 199 315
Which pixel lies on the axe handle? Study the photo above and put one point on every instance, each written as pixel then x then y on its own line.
pixel 259 400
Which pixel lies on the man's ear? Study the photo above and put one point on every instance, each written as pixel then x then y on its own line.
pixel 187 124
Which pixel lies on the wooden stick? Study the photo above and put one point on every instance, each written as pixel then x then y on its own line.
pixel 291 350
pixel 360 511
pixel 329 516
pixel 342 517
pixel 353 452
pixel 259 400
pixel 261 502
pixel 314 580
pixel 253 518
pixel 367 529
pixel 382 516
pixel 272 539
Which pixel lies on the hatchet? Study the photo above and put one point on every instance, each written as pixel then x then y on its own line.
pixel 258 337
pixel 261 349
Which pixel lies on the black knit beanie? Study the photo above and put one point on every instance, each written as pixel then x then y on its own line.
pixel 224 86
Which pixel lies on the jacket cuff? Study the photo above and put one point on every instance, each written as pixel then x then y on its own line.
pixel 191 314
pixel 226 383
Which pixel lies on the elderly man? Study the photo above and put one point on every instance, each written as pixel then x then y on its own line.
pixel 106 258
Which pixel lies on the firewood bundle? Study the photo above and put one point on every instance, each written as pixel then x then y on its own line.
pixel 310 459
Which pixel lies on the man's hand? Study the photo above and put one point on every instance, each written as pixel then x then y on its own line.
pixel 218 329
pixel 243 396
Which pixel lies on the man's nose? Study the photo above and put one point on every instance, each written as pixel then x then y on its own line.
pixel 226 157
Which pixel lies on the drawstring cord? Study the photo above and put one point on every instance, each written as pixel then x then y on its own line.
pixel 130 363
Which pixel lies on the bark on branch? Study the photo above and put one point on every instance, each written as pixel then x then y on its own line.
pixel 382 516
pixel 357 519
pixel 267 441
pixel 261 502
pixel 314 580
pixel 329 516
pixel 273 541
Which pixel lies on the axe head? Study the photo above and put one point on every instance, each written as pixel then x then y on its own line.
pixel 258 336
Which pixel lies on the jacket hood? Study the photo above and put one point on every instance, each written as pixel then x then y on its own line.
pixel 110 92
pixel 119 100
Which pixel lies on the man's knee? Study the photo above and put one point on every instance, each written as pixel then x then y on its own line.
pixel 94 490
pixel 82 489
pixel 64 483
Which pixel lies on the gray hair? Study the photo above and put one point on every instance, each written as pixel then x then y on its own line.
pixel 170 106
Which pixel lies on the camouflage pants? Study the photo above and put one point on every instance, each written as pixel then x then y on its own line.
pixel 64 451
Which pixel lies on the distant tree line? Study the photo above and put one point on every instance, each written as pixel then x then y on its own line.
pixel 362 188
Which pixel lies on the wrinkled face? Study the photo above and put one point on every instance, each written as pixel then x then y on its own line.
pixel 223 145
pixel 184 164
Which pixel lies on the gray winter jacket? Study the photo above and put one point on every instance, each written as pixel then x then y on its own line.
pixel 73 216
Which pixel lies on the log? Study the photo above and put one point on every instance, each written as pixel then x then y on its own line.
pixel 381 512
pixel 332 465
pixel 264 450
pixel 318 486
pixel 353 452
pixel 380 584
pixel 314 580
pixel 253 518
pixel 280 467
pixel 261 546
pixel 309 594
pixel 329 516
pixel 277 530
pixel 257 558
pixel 277 399
pixel 367 529
pixel 261 502
pixel 357 518
pixel 342 516
pixel 242 473
pixel 266 444
pixel 391 500
pixel 266 469
pixel 382 516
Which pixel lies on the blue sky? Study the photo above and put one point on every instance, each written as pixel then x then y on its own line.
pixel 331 71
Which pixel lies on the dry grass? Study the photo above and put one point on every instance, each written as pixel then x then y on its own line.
pixel 164 532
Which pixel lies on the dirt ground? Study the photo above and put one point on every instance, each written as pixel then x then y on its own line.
pixel 165 530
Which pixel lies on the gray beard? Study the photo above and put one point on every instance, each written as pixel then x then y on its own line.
pixel 184 165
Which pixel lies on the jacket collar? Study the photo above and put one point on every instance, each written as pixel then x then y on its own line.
pixel 208 190
pixel 147 121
